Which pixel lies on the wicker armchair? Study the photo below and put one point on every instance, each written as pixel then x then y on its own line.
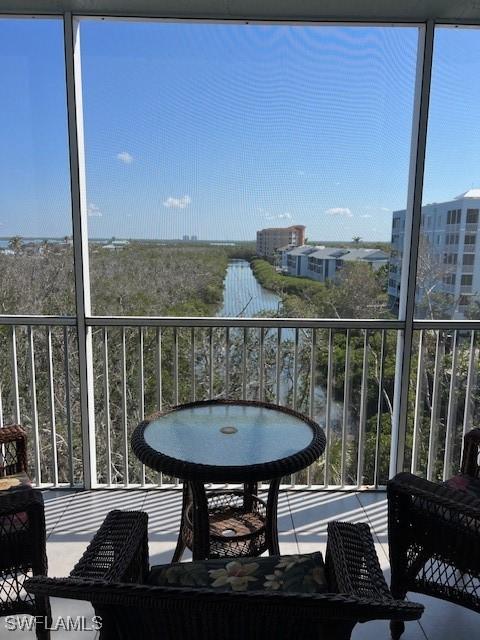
pixel 113 575
pixel 434 534
pixel 22 554
pixel 22 532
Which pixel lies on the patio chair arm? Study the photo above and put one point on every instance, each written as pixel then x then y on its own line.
pixel 353 570
pixel 440 500
pixel 119 550
pixel 352 563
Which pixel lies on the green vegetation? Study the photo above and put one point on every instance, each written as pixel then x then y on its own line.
pixel 187 279
pixel 143 279
pixel 357 292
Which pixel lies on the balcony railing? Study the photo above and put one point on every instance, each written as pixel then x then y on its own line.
pixel 341 373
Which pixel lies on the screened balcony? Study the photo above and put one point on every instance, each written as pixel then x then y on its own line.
pixel 136 135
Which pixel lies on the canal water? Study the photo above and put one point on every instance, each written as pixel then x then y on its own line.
pixel 243 296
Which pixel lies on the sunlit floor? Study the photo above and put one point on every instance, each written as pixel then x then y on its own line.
pixel 73 518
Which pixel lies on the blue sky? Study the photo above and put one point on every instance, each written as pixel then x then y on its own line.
pixel 219 130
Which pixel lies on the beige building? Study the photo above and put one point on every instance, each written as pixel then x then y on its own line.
pixel 270 240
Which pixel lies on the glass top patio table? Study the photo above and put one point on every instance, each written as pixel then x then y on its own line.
pixel 221 440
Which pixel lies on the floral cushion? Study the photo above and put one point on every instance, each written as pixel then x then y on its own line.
pixel 465 483
pixel 296 573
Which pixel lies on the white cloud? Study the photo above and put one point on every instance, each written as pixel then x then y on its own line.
pixel 177 203
pixel 125 157
pixel 94 211
pixel 339 211
pixel 365 215
pixel 384 209
pixel 278 216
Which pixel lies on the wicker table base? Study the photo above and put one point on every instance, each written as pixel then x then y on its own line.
pixel 234 523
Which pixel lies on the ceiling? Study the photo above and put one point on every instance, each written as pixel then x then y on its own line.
pixel 455 11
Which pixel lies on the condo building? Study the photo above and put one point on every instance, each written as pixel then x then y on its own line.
pixel 272 239
pixel 449 251
pixel 322 263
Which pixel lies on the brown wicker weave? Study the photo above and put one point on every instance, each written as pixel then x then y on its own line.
pixel 23 554
pixel 22 534
pixel 434 536
pixel 13 443
pixel 227 523
pixel 112 576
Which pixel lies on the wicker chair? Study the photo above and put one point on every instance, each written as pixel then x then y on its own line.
pixel 434 534
pixel 22 533
pixel 113 575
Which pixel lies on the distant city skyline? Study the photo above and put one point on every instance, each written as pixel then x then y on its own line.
pixel 218 130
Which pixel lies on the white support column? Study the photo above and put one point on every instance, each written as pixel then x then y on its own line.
pixel 410 248
pixel 80 243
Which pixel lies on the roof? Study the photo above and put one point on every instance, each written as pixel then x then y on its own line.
pixel 365 254
pixel 303 250
pixel 332 253
pixel 290 228
pixel 471 193
pixel 328 252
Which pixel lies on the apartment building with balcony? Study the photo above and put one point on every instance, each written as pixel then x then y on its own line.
pixel 451 257
pixel 321 263
pixel 271 239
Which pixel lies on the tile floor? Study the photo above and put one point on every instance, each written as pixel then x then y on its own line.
pixel 72 519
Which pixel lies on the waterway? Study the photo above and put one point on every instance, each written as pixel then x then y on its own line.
pixel 243 296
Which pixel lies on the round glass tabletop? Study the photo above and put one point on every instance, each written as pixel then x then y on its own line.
pixel 228 434
pixel 228 441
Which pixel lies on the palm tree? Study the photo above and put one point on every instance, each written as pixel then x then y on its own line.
pixel 356 239
pixel 15 244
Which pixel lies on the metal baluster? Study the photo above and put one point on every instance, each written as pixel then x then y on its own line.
pixel 432 444
pixel 141 387
pixel 293 476
pixel 471 384
pixel 295 370
pixel 16 395
pixel 192 360
pixel 123 365
pixel 106 405
pixel 210 377
pixel 158 341
pixel 261 359
pixel 33 397
pixel 346 396
pixel 68 409
pixel 313 368
pixel 158 350
pixel 363 412
pixel 227 361
pixel 175 375
pixel 51 398
pixel 244 364
pixel 379 410
pixel 175 365
pixel 451 411
pixel 277 365
pixel 328 407
pixel 417 425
